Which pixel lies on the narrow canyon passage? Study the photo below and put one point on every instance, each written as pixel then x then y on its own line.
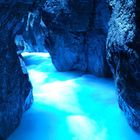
pixel 70 106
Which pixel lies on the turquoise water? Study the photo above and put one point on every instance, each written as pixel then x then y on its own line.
pixel 70 106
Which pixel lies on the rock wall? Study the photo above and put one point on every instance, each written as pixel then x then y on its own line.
pixel 77 32
pixel 15 88
pixel 123 55
pixel 32 36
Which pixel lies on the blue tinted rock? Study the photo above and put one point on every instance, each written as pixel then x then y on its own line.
pixel 123 55
pixel 77 32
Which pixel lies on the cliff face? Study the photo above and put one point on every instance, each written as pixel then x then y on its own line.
pixel 123 55
pixel 15 88
pixel 77 32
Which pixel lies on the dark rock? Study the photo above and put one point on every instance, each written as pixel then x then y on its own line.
pixel 15 88
pixel 77 32
pixel 31 38
pixel 123 55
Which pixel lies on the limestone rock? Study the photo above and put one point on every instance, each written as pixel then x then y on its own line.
pixel 31 38
pixel 77 32
pixel 123 54
pixel 15 88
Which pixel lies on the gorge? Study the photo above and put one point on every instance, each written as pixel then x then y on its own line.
pixel 82 65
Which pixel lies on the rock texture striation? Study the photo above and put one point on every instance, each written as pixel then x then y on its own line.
pixel 77 31
pixel 123 55
pixel 31 39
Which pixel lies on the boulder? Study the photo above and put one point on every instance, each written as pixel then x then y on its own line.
pixel 76 35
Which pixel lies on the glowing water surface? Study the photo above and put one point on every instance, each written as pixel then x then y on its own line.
pixel 70 106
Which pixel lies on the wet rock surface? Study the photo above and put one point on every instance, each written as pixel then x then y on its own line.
pixel 123 54
pixel 15 88
pixel 31 38
pixel 77 32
